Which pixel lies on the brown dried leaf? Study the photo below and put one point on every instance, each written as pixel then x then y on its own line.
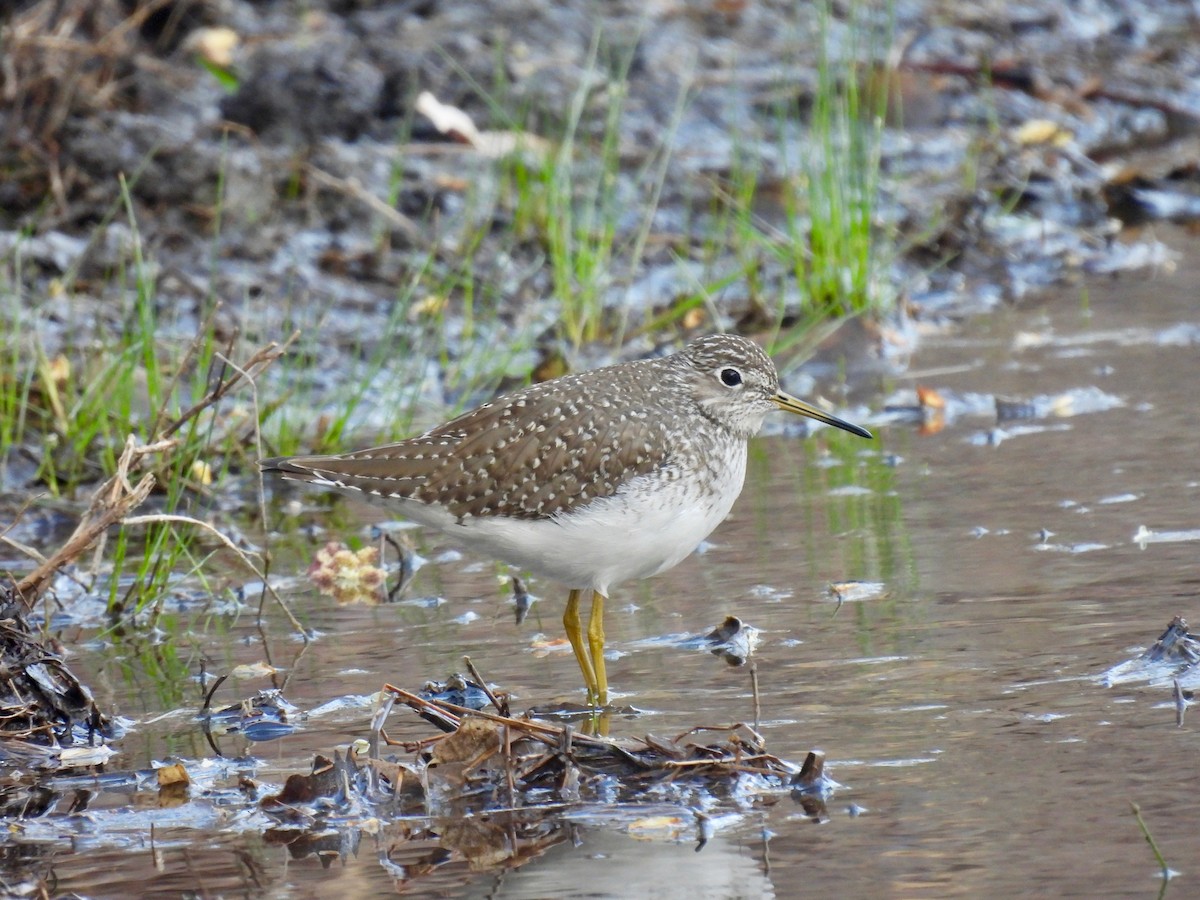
pixel 930 398
pixel 542 645
pixel 174 773
pixel 252 670
pixel 304 789
pixel 475 738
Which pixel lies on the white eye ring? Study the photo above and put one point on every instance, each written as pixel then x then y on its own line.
pixel 730 377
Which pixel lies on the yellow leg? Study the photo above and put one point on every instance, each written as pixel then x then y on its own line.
pixel 596 644
pixel 573 623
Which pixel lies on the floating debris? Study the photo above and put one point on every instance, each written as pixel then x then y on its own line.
pixel 48 718
pixel 733 641
pixel 264 717
pixel 857 591
pixel 1144 536
pixel 346 575
pixel 522 599
pixel 493 791
pixel 502 756
pixel 1171 660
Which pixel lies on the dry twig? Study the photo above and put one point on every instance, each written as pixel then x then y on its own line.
pixel 111 503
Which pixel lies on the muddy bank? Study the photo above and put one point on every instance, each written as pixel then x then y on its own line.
pixel 276 164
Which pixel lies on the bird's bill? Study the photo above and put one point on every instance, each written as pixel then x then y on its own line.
pixel 793 405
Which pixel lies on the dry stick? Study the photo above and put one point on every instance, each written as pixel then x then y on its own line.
pixel 533 729
pixel 350 187
pixel 479 680
pixel 377 720
pixel 732 729
pixel 545 733
pixel 130 23
pixel 754 688
pixel 107 508
pixel 22 548
pixel 506 743
pixel 31 552
pixel 262 358
pixel 193 348
pixel 121 479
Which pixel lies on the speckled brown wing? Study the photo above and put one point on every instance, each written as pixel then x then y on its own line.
pixel 530 455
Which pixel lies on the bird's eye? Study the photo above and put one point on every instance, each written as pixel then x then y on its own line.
pixel 731 377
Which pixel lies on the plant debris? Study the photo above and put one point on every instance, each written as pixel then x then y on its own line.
pixel 263 717
pixel 48 718
pixel 500 755
pixel 733 641
pixel 1173 660
pixel 495 790
pixel 346 575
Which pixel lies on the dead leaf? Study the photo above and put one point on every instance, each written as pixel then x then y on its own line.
pixel 299 790
pixel 174 773
pixel 541 645
pixel 930 398
pixel 214 45
pixel 202 472
pixel 253 670
pixel 1042 131
pixel 453 121
pixel 475 739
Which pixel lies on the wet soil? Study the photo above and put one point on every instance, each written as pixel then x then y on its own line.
pixel 306 190
pixel 961 704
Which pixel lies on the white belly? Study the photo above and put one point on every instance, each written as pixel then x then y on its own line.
pixel 647 528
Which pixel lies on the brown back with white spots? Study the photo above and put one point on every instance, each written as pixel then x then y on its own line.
pixel 550 447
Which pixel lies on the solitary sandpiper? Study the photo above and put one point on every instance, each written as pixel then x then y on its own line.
pixel 590 479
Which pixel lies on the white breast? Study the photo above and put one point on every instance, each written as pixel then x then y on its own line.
pixel 649 526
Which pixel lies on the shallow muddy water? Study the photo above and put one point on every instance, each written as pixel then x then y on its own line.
pixel 959 705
